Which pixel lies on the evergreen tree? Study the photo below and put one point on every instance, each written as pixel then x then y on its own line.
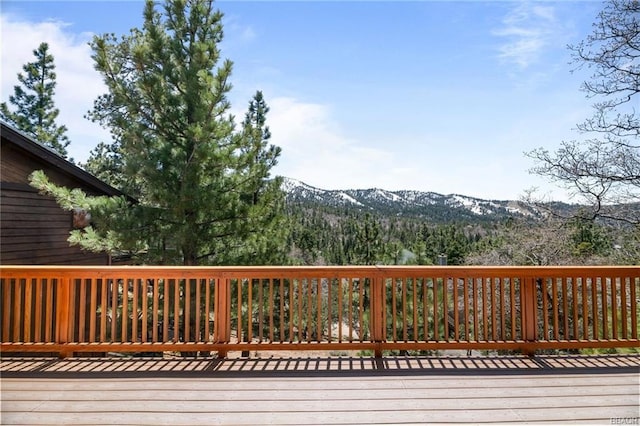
pixel 204 191
pixel 105 163
pixel 589 238
pixel 35 112
pixel 262 195
pixel 368 248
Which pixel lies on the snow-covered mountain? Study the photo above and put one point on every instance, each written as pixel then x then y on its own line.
pixel 430 205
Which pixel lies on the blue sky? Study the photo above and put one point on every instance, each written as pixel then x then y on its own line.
pixel 434 96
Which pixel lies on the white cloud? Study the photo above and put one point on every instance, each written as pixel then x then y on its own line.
pixel 78 84
pixel 316 151
pixel 237 32
pixel 528 30
pixel 248 34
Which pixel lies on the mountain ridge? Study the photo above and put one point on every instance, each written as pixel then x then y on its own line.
pixel 409 203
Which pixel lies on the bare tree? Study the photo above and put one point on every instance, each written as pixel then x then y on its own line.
pixel 604 171
pixel 525 243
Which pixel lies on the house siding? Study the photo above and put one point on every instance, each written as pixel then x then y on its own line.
pixel 33 229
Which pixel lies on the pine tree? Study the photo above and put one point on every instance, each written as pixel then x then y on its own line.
pixel 105 163
pixel 369 246
pixel 263 195
pixel 589 238
pixel 204 190
pixel 35 112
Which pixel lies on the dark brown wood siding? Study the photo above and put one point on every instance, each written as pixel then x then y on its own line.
pixel 17 165
pixel 33 229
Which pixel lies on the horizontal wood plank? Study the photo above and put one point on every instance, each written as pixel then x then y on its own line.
pixel 316 399
pixel 239 401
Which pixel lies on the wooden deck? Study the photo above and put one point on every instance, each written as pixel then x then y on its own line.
pixel 323 390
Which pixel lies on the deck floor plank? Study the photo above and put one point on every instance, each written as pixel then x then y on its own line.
pixel 468 381
pixel 311 402
pixel 13 393
pixel 69 394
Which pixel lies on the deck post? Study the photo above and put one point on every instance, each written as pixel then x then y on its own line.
pixel 529 317
pixel 222 314
pixel 63 314
pixel 377 314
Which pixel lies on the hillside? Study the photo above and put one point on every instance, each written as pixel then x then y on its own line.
pixel 427 206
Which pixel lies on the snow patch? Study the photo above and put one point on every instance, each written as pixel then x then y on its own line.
pixel 349 198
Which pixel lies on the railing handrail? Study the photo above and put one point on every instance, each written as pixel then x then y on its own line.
pixel 370 270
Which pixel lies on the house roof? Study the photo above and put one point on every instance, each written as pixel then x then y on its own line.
pixel 36 149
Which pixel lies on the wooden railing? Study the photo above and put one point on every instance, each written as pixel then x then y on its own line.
pixel 381 308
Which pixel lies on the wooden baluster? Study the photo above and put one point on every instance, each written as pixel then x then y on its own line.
pixel 545 309
pixel 38 283
pixel 503 311
pixel 394 313
pixel 155 307
pixel 512 300
pixel 124 337
pixel 17 310
pixel 474 297
pixel 271 306
pixel 340 307
pixel 377 306
pixel 574 298
pixel 414 287
pixel 623 303
pixel 144 284
pixel 28 295
pixel 585 309
pixel 93 308
pixel 529 306
pixel 456 310
pixel 135 282
pixel 186 309
pixel 594 308
pixel 292 310
pixel 350 292
pixel 49 331
pixel 634 282
pixel 485 311
pixel 614 308
pixel 207 308
pixel 467 319
pixel 361 306
pixel 605 312
pixel 165 310
pixel 403 285
pixel 176 309
pixel 565 308
pixel 282 316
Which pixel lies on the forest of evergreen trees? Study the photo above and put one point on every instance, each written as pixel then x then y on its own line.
pixel 323 235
